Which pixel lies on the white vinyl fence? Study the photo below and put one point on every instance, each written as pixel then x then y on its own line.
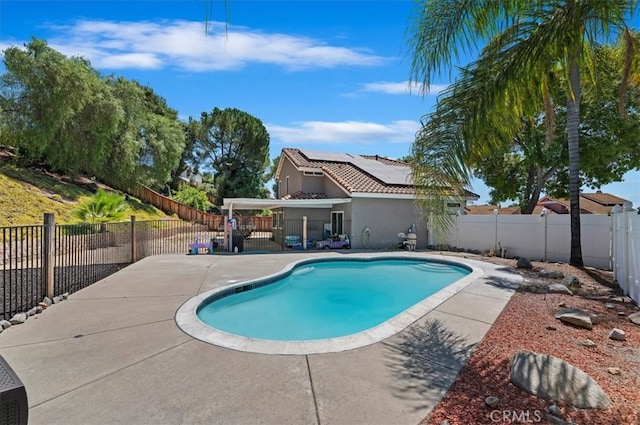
pixel 608 242
pixel 626 250
pixel 544 238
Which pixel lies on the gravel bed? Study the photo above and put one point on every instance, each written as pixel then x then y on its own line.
pixel 528 323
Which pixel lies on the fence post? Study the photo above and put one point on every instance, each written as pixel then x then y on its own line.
pixel 48 254
pixel 134 254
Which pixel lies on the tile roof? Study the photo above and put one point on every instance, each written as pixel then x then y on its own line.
pixel 605 199
pixel 590 203
pixel 352 178
pixel 488 210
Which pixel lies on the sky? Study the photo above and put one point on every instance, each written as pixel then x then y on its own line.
pixel 319 74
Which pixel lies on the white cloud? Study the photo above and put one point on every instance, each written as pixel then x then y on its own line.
pixel 184 44
pixel 345 132
pixel 403 87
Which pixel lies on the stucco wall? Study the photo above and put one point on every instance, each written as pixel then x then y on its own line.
pixel 385 218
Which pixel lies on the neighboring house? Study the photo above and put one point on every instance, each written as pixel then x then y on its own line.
pixel 590 203
pixel 490 210
pixel 368 197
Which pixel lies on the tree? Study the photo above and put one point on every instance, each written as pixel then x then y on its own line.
pixel 193 197
pixel 56 109
pixel 63 113
pixel 526 39
pixel 149 140
pixel 532 163
pixel 235 147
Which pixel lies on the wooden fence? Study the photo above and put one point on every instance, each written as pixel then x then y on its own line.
pixel 185 212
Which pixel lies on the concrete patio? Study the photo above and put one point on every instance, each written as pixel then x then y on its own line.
pixel 112 353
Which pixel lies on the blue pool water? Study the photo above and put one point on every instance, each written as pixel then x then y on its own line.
pixel 329 299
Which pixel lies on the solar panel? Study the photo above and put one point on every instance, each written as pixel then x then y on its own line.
pixel 325 156
pixel 388 174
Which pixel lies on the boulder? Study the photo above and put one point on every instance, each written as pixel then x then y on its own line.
pixel 552 378
pixel 571 281
pixel 576 317
pixel 635 318
pixel 551 274
pixel 617 334
pixel 18 319
pixel 523 263
pixel 4 324
pixel 559 288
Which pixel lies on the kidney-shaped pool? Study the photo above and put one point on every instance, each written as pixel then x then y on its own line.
pixel 322 305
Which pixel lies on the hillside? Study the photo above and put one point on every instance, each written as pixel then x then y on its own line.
pixel 26 194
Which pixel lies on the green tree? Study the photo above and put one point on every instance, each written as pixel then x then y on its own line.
pixel 149 140
pixel 533 163
pixel 526 40
pixel 57 109
pixel 193 197
pixel 235 146
pixel 102 207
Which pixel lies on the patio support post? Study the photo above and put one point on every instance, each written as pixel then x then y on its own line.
pixel 225 232
pixel 231 228
pixel 48 256
pixel 304 232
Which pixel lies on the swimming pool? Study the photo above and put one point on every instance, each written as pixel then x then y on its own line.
pixel 323 305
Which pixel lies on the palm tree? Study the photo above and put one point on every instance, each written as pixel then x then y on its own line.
pixel 526 38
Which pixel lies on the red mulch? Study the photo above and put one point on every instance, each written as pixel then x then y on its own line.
pixel 523 326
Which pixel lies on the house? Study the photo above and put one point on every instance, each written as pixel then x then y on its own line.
pixel 590 203
pixel 370 198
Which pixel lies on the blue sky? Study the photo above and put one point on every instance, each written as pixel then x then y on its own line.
pixel 322 75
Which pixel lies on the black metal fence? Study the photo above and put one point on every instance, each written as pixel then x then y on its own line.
pixel 50 260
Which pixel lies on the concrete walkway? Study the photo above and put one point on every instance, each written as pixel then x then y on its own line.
pixel 112 353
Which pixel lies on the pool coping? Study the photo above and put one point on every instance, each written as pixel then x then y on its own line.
pixel 187 320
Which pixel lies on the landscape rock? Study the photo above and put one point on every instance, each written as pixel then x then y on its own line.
pixel 635 318
pixel 43 305
pixel 614 370
pixel 4 324
pixel 65 295
pixel 610 306
pixel 571 281
pixel 552 378
pixel 587 343
pixel 39 309
pixel 31 311
pixel 555 410
pixel 56 300
pixel 617 334
pixel 524 263
pixel 559 288
pixel 551 274
pixel 18 319
pixel 47 301
pixel 576 317
pixel 492 401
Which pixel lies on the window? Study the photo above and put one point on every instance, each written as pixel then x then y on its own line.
pixel 312 173
pixel 337 220
pixel 277 219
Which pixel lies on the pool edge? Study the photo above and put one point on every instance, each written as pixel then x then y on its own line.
pixel 187 320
